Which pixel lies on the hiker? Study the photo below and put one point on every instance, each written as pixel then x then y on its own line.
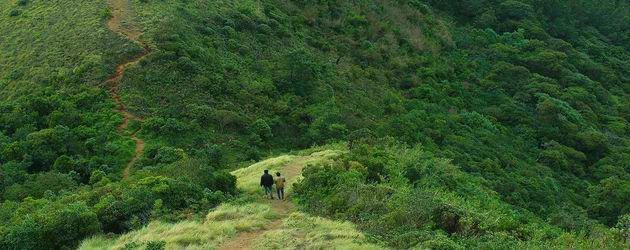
pixel 280 185
pixel 266 181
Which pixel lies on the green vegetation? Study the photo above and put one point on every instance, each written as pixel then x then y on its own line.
pixel 225 222
pixel 229 220
pixel 104 206
pixel 518 93
pixel 407 197
pixel 492 123
pixel 272 225
pixel 61 156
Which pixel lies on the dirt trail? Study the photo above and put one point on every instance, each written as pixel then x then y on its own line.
pixel 247 240
pixel 120 22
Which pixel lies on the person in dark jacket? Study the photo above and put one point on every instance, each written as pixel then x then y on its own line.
pixel 266 181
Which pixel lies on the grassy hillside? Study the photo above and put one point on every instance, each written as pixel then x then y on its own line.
pixel 55 45
pixel 53 113
pixel 253 76
pixel 250 222
pixel 487 122
pixel 298 230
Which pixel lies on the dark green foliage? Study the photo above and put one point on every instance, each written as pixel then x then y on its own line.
pixel 609 199
pixel 45 224
pixel 415 199
pixel 624 226
pixel 528 99
pixel 129 205
pixel 131 246
pixel 106 207
pixel 37 185
pixel 14 12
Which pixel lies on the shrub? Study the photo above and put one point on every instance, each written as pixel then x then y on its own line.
pixel 49 225
pixel 424 201
pixel 514 10
pixel 14 12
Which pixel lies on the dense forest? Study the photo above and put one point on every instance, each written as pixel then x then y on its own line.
pixel 468 123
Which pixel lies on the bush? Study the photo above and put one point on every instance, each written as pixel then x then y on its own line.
pixel 14 12
pixel 424 201
pixel 514 10
pixel 37 185
pixel 49 225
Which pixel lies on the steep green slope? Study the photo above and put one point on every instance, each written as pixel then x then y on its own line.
pixel 61 44
pixel 527 99
pixel 54 114
pixel 253 76
pixel 511 90
pixel 62 153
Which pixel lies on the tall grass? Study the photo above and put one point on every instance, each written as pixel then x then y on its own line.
pixel 301 231
pixel 221 224
pixel 298 231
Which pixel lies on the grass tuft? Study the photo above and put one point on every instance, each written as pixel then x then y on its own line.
pixel 221 224
pixel 301 231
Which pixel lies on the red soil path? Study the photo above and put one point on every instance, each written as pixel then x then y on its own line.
pixel 120 10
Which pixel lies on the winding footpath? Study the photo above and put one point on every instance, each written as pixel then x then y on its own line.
pixel 121 11
pixel 247 240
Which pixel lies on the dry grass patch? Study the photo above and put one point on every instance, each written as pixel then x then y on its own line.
pixel 301 231
pixel 221 224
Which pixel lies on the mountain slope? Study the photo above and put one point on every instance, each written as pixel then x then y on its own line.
pixel 524 102
pixel 510 90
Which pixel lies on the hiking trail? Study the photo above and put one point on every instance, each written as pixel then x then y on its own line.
pixel 246 240
pixel 252 221
pixel 120 23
